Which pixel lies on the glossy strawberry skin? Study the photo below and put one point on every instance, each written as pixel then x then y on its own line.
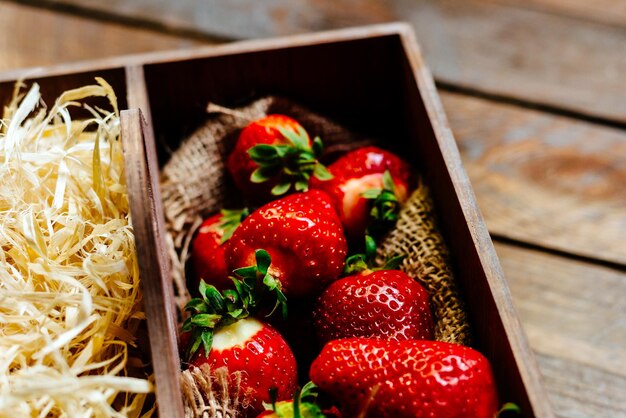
pixel 207 255
pixel 241 166
pixel 265 360
pixel 386 304
pixel 303 236
pixel 356 172
pixel 414 379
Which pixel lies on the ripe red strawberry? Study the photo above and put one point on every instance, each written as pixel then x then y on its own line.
pixel 417 378
pixel 260 353
pixel 207 249
pixel 220 325
pixel 273 155
pixel 368 186
pixel 303 236
pixel 385 304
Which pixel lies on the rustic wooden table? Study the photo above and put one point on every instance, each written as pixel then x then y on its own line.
pixel 535 93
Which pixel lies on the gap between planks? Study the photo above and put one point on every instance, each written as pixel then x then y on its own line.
pixel 547 181
pixel 574 315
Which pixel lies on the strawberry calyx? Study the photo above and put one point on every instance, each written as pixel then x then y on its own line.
pixel 385 206
pixel 231 219
pixel 303 404
pixel 254 287
pixel 366 262
pixel 292 163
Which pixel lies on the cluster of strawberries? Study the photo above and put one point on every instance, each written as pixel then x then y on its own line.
pixel 375 324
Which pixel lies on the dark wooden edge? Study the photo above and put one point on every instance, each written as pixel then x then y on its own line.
pixel 498 286
pixel 147 219
pixel 137 95
pixel 339 35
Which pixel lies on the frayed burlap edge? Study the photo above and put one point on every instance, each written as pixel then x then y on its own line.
pixel 427 260
pixel 211 393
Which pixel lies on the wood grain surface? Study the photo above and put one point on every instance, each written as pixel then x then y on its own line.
pixel 156 282
pixel 574 315
pixel 543 179
pixel 532 53
pixel 602 11
pixel 539 178
pixel 32 37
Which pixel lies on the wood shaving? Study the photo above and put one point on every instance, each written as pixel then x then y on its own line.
pixel 70 302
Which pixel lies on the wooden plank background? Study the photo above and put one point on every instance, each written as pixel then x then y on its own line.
pixel 550 52
pixel 534 91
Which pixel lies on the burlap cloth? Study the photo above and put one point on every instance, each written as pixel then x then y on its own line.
pixel 194 184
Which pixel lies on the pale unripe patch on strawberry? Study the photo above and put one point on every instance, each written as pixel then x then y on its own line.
pixel 353 188
pixel 237 334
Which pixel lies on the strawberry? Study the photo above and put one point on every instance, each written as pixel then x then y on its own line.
pixel 273 155
pixel 385 304
pixel 221 332
pixel 303 236
pixel 416 378
pixel 367 186
pixel 260 353
pixel 379 302
pixel 207 249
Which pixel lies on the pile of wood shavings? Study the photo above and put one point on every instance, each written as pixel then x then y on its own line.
pixel 69 281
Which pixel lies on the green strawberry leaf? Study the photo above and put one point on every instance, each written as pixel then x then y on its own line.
pixel 263 153
pixel 293 163
pixel 388 183
pixel 263 174
pixel 509 409
pixel 196 340
pixel 321 172
pixel 214 298
pixel 355 263
pixel 263 261
pixel 231 219
pixel 245 272
pixel 302 185
pixel 281 188
pixel 393 263
pixel 385 206
pixel 309 390
pixel 187 325
pixel 197 305
pixel 299 139
pixel 207 341
pixel 318 146
pixel 205 320
pixel 371 193
pixel 370 248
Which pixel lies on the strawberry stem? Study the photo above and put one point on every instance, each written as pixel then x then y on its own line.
pixel 213 310
pixel 293 163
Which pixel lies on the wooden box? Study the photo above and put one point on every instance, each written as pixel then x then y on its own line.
pixel 372 77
